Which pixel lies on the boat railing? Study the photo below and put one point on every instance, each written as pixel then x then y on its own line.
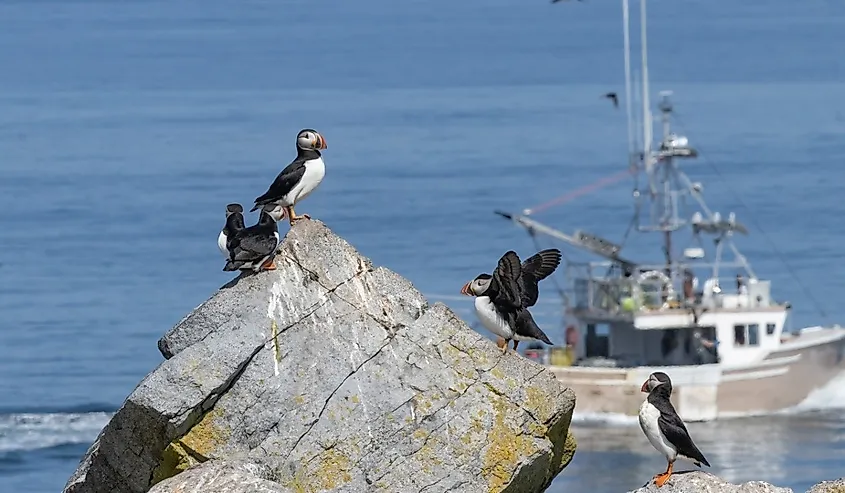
pixel 653 290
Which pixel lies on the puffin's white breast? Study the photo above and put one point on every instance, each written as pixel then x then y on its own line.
pixel 648 422
pixel 221 244
pixel 315 171
pixel 490 318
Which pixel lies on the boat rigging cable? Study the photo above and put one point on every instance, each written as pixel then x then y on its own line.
pixel 737 196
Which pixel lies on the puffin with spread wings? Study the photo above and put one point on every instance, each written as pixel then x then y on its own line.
pixel 502 299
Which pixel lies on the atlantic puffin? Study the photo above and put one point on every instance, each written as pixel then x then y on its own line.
pixel 254 247
pixel 234 223
pixel 299 178
pixel 502 300
pixel 664 428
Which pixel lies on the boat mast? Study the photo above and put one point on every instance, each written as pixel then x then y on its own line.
pixel 628 102
pixel 659 168
pixel 668 187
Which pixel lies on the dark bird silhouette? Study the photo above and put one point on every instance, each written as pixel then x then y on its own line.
pixel 612 96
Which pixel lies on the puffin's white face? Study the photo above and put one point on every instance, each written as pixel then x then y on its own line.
pixel 654 380
pixel 276 212
pixel 477 286
pixel 310 140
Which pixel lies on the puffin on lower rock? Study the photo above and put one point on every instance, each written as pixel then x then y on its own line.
pixel 299 178
pixel 253 248
pixel 664 428
pixel 234 223
pixel 502 299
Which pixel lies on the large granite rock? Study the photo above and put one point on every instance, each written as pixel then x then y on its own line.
pixel 333 375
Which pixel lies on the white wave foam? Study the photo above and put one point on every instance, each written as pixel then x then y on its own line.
pixel 27 431
pixel 608 419
pixel 831 396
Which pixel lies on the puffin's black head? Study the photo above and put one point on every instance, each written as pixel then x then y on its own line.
pixel 234 209
pixel 310 140
pixel 477 286
pixel 274 212
pixel 655 380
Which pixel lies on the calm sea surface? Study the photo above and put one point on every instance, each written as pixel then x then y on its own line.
pixel 125 128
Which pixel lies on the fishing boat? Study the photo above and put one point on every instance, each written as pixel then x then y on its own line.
pixel 722 341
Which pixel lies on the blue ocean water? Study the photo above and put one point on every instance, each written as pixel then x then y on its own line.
pixel 126 127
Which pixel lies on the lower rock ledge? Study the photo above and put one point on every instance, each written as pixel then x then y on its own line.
pixel 702 482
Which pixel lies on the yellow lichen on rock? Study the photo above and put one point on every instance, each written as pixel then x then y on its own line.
pixel 569 452
pixel 192 448
pixel 174 459
pixel 537 402
pixel 506 447
pixel 206 436
pixel 326 471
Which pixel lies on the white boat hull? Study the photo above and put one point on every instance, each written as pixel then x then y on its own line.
pixel 706 392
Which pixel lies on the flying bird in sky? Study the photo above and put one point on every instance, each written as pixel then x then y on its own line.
pixel 612 96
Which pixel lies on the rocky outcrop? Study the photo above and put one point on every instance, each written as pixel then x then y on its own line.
pixel 329 374
pixel 837 486
pixel 702 482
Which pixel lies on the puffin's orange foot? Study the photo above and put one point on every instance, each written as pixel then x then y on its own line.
pixel 271 265
pixel 661 479
pixel 293 219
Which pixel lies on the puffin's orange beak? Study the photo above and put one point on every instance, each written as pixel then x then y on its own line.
pixel 644 388
pixel 322 142
pixel 465 290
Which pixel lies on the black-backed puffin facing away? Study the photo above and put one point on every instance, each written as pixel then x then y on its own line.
pixel 502 300
pixel 664 428
pixel 234 223
pixel 299 178
pixel 255 247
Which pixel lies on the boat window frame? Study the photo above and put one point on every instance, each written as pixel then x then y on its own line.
pixel 771 328
pixel 742 337
pixel 742 333
pixel 756 334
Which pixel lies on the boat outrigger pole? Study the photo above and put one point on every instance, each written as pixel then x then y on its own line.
pixel 580 239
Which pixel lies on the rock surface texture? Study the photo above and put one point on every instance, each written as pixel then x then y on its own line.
pixel 702 482
pixel 331 375
pixel 837 486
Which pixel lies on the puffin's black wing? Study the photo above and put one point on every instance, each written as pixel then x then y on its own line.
pixel 526 326
pixel 673 428
pixel 506 278
pixel 536 268
pixel 253 246
pixel 283 183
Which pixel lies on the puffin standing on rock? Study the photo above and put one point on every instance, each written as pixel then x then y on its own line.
pixel 664 428
pixel 254 247
pixel 234 223
pixel 299 178
pixel 502 300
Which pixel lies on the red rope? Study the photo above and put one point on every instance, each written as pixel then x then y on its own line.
pixel 582 191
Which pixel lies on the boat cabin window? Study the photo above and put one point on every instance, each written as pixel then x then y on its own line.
pixel 746 335
pixel 753 335
pixel 739 335
pixel 770 329
pixel 597 343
